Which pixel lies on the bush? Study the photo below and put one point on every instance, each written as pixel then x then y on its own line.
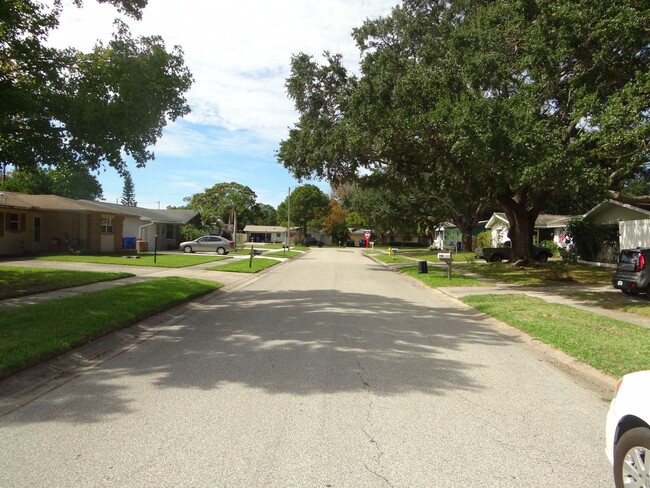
pixel 551 246
pixel 590 239
pixel 190 232
pixel 484 239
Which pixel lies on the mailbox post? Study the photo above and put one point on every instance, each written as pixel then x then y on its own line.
pixel 445 257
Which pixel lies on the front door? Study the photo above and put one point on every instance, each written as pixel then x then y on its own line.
pixel 37 233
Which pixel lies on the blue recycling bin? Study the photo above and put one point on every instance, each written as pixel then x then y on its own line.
pixel 128 243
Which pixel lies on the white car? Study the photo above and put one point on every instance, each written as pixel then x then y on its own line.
pixel 627 432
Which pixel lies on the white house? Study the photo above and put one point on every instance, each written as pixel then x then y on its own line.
pixel 548 227
pixel 633 221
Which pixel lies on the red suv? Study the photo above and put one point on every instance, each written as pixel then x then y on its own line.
pixel 633 271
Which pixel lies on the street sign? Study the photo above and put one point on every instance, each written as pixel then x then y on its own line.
pixel 367 234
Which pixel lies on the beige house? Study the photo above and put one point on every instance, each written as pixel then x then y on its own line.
pixel 31 224
pixel 161 227
pixel 270 233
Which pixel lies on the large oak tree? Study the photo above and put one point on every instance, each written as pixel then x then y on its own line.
pixel 63 106
pixel 514 100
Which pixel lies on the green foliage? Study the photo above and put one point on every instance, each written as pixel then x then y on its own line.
pixel 552 245
pixel 66 180
pixel 590 238
pixel 189 232
pixel 307 203
pixel 219 201
pixel 479 100
pixel 484 239
pixel 128 192
pixel 65 106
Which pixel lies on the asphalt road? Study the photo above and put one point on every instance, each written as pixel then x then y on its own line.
pixel 328 371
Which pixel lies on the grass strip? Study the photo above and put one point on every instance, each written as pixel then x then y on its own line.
pixel 614 300
pixel 385 258
pixel 33 333
pixel 16 281
pixel 610 345
pixel 242 265
pixel 283 254
pixel 552 273
pixel 142 259
pixel 437 277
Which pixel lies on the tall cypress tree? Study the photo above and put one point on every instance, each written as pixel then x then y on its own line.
pixel 128 193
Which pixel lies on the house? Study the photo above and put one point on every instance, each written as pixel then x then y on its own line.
pixel 51 223
pixel 633 221
pixel 269 233
pixel 548 227
pixel 143 224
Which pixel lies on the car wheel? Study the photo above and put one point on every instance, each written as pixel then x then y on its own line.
pixel 542 258
pixel 630 293
pixel 632 458
pixel 187 249
pixel 496 258
pixel 221 251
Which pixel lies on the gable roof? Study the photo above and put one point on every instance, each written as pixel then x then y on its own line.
pixel 160 216
pixel 641 209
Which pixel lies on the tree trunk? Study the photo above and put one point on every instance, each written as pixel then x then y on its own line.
pixel 521 225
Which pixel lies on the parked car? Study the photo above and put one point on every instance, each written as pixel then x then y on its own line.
pixel 311 241
pixel 349 243
pixel 632 271
pixel 220 245
pixel 627 431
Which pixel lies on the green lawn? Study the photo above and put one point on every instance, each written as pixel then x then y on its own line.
pixel 283 254
pixel 614 300
pixel 432 256
pixel 437 277
pixel 242 265
pixel 552 273
pixel 609 345
pixel 385 258
pixel 141 259
pixel 17 281
pixel 32 333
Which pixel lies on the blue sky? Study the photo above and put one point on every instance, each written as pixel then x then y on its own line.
pixel 239 53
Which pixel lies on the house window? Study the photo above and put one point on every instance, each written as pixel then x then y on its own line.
pixel 169 231
pixel 278 234
pixel 107 225
pixel 14 222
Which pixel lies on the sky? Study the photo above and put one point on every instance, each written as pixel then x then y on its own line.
pixel 239 53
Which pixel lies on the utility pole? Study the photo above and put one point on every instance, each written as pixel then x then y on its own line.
pixel 289 220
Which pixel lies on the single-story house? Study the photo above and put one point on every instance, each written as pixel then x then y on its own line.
pixel 270 233
pixel 51 223
pixel 633 221
pixel 142 225
pixel 548 227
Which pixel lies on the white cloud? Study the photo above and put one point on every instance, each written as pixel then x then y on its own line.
pixel 239 53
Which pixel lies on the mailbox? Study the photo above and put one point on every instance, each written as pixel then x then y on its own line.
pixel 446 258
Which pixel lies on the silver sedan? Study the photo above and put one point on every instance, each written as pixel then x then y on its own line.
pixel 208 243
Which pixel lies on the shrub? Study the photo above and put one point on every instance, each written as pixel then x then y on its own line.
pixel 484 239
pixel 550 245
pixel 590 239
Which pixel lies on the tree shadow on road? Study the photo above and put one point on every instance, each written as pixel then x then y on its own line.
pixel 291 342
